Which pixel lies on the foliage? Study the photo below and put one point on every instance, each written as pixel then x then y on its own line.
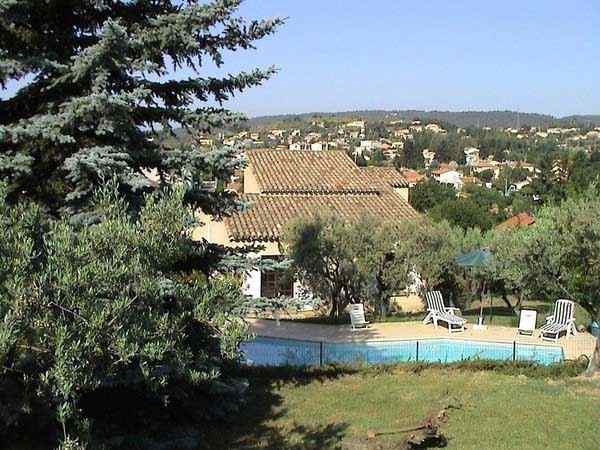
pixel 96 81
pixel 464 213
pixel 428 194
pixel 346 263
pixel 559 257
pixel 370 260
pixel 100 306
pixel 486 175
pixel 431 248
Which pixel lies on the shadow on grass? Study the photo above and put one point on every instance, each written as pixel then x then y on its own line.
pixel 254 427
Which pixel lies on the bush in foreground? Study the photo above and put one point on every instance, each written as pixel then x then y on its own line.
pixel 101 309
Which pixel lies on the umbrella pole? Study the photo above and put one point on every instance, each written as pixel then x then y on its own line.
pixel 481 305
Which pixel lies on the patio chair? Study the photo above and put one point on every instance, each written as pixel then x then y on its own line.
pixel 562 319
pixel 436 312
pixel 357 316
pixel 527 322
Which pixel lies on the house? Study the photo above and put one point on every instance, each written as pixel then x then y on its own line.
pixel 356 124
pixel 428 157
pixel 206 142
pixel 471 156
pixel 281 185
pixel 486 165
pixel 520 220
pixel 447 175
pixel 412 176
pixel 434 128
pixel 298 146
pixel 369 146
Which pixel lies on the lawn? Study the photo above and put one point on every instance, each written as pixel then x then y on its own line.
pixel 487 410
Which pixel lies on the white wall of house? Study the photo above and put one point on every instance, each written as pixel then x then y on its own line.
pixel 451 177
pixel 301 291
pixel 251 286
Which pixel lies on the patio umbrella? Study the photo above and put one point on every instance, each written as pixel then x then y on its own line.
pixel 472 259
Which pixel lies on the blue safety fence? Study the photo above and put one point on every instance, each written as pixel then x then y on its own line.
pixel 264 351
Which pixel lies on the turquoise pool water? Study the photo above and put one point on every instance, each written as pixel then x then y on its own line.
pixel 282 352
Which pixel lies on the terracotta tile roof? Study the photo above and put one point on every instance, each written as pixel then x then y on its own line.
pixel 267 215
pixel 520 220
pixel 412 176
pixel 387 175
pixel 308 172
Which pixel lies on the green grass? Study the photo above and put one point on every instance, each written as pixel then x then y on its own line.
pixel 490 410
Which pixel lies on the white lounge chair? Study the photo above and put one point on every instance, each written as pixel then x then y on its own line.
pixel 436 312
pixel 562 319
pixel 357 316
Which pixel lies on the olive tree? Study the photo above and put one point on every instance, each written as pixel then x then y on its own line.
pixel 90 308
pixel 371 260
pixel 559 256
pixel 347 262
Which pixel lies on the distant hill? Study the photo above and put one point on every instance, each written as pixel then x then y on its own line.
pixel 494 119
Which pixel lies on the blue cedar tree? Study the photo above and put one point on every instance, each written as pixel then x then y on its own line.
pixel 97 88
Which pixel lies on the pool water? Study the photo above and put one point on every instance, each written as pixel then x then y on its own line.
pixel 264 351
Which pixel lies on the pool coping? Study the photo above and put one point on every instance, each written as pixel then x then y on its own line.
pixel 572 348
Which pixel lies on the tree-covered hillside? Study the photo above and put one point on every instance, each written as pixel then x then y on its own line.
pixel 494 119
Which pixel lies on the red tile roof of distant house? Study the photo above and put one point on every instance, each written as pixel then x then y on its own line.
pixel 520 220
pixel 412 176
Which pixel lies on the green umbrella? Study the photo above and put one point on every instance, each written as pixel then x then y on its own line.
pixel 476 258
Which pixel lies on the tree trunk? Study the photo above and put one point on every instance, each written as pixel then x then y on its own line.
pixel 507 301
pixel 332 310
pixel 594 365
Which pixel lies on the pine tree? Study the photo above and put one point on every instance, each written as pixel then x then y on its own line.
pixel 115 302
pixel 97 86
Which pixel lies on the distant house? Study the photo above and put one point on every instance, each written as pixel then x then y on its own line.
pixel 471 156
pixel 298 146
pixel 281 185
pixel 485 165
pixel 369 146
pixel 412 176
pixel 356 124
pixel 446 175
pixel 520 220
pixel 435 128
pixel 428 157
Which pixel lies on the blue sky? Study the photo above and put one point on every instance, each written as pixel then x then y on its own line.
pixel 338 55
pixel 334 55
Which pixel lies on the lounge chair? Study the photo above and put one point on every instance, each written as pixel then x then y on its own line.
pixel 436 312
pixel 562 319
pixel 357 316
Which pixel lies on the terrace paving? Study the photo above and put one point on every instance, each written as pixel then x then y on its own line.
pixel 573 347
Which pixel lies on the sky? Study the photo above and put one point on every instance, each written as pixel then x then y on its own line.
pixel 340 55
pixel 337 55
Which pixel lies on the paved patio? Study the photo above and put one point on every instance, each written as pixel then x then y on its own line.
pixel 573 347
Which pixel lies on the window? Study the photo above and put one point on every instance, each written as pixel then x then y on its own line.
pixel 276 283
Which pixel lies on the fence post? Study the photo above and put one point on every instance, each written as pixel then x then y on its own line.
pixel 320 353
pixel 514 351
pixel 417 352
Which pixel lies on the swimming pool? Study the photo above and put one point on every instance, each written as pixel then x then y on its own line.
pixel 264 351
